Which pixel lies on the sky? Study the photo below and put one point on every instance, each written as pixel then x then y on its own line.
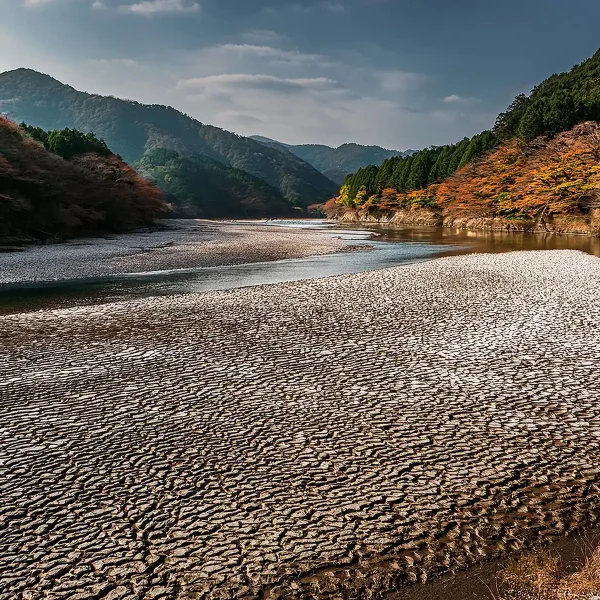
pixel 396 73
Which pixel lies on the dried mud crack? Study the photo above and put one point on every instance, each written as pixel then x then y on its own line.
pixel 300 440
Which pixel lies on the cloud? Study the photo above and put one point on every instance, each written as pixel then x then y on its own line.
pixel 98 5
pixel 330 6
pixel 149 8
pixel 399 81
pixel 36 3
pixel 261 36
pixel 243 81
pixel 455 99
pixel 107 62
pixel 333 7
pixel 323 111
pixel 292 57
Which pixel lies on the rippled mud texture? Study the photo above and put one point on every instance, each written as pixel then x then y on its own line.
pixel 303 439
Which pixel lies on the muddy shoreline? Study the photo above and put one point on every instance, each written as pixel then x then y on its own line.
pixel 301 440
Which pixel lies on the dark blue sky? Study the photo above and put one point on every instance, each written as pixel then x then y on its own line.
pixel 398 73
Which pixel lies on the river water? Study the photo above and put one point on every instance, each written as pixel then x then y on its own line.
pixel 388 248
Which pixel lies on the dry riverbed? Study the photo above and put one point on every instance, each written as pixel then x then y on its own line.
pixel 300 440
pixel 183 244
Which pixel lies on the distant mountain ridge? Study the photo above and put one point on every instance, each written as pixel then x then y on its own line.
pixel 132 129
pixel 336 163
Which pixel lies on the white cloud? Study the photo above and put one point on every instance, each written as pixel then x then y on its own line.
pixel 455 99
pixel 261 36
pixel 331 6
pixel 149 8
pixel 119 62
pixel 98 5
pixel 213 83
pixel 293 57
pixel 36 3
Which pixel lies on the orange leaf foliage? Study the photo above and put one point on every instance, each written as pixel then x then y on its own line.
pixel 559 176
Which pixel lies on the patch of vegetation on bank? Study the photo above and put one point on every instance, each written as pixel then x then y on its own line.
pixel 541 576
pixel 553 183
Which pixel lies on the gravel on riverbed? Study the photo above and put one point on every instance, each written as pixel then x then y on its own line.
pixel 186 243
pixel 299 440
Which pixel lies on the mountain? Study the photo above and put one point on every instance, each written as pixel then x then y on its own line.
pixel 132 129
pixel 538 169
pixel 205 187
pixel 336 163
pixel 43 194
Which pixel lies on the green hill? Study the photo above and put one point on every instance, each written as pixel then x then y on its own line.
pixel 557 104
pixel 204 187
pixel 132 129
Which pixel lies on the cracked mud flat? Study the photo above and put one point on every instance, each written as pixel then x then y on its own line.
pixel 186 243
pixel 300 440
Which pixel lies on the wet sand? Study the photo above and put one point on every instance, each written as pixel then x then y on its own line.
pixel 184 244
pixel 313 439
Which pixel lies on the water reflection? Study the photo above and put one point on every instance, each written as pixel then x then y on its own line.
pixel 490 241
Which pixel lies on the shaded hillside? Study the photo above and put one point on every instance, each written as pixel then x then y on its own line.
pixel 552 183
pixel 131 129
pixel 204 187
pixel 43 195
pixel 337 163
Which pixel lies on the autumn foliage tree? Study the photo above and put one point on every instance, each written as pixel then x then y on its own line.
pixel 43 195
pixel 540 161
pixel 552 176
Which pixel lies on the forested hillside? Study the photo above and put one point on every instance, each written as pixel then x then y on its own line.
pixel 539 167
pixel 204 187
pixel 415 171
pixel 67 183
pixel 132 129
pixel 556 105
pixel 337 163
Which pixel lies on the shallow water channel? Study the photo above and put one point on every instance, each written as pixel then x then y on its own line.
pixel 383 248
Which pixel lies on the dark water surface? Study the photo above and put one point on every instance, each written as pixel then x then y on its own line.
pixel 389 247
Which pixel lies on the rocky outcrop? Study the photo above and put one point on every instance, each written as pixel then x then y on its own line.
pixel 419 217
pixel 584 225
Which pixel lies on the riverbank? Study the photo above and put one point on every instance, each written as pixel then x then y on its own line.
pixel 182 244
pixel 485 581
pixel 302 439
pixel 589 226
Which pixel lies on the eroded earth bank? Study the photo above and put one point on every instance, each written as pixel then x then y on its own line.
pixel 300 440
